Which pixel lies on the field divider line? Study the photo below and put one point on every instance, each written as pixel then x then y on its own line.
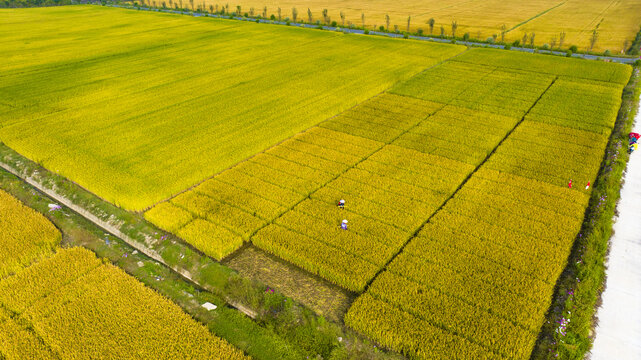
pixel 416 124
pixel 115 231
pixel 461 184
pixel 535 16
pixel 596 18
pixel 384 144
pixel 367 286
pixel 308 196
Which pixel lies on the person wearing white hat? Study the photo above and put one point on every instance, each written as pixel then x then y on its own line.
pixel 344 225
pixel 341 204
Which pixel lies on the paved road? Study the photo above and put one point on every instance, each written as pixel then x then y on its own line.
pixel 618 334
pixel 624 60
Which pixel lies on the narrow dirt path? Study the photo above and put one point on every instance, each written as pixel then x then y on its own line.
pixel 115 230
pixel 618 333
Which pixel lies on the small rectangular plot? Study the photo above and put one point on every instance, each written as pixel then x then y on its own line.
pixel 322 152
pixel 240 198
pixel 407 189
pixel 259 187
pixel 367 208
pixel 388 199
pixel 168 216
pixel 578 105
pixel 306 159
pixel 277 177
pixel 455 315
pixel 364 129
pixel 333 235
pixel 292 168
pixel 438 179
pixel 341 268
pixel 365 226
pixel 500 301
pixel 382 118
pixel 213 240
pixel 345 143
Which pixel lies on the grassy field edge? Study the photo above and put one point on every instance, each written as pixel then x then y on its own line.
pixel 568 331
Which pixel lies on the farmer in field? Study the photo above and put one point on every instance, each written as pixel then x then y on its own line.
pixel 587 186
pixel 570 184
pixel 341 204
pixel 344 225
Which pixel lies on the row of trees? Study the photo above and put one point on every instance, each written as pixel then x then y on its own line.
pixel 528 39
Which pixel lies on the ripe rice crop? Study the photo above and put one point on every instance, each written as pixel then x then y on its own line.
pixel 238 202
pixel 72 305
pixel 486 88
pixel 553 65
pixel 455 182
pixel 476 260
pixel 17 341
pixel 590 106
pixel 449 132
pixel 484 267
pixel 551 153
pixel 26 235
pixel 175 100
pixel 617 20
pixel 383 118
pixel 386 199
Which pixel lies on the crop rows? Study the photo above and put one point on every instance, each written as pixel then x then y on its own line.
pixel 220 214
pixel 398 186
pixel 458 133
pixel 17 248
pixel 384 119
pixel 474 269
pixel 388 197
pixel 583 105
pixel 553 65
pixel 484 267
pixel 551 153
pixel 463 271
pixel 478 87
pixel 72 305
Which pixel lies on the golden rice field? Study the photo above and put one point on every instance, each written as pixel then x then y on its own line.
pixel 454 164
pixel 25 235
pixel 460 216
pixel 136 107
pixel 619 19
pixel 71 305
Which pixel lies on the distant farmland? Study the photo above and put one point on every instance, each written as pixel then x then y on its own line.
pixel 618 20
pixel 455 163
pixel 137 106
